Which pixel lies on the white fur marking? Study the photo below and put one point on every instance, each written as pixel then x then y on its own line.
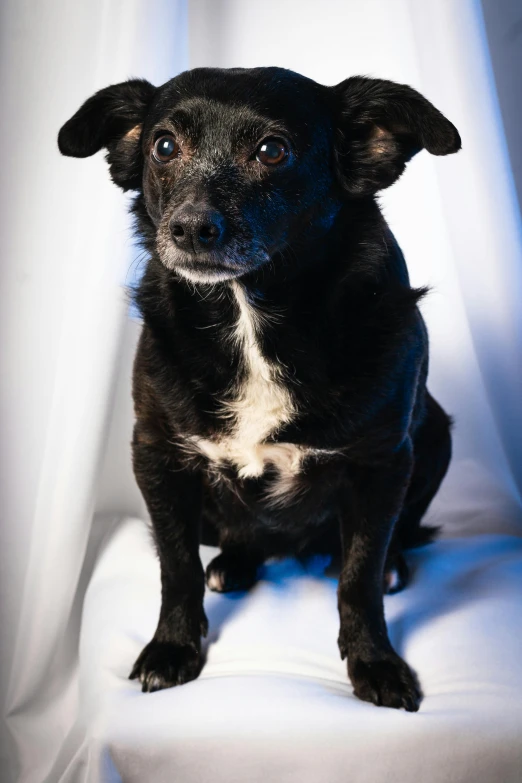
pixel 261 406
pixel 210 277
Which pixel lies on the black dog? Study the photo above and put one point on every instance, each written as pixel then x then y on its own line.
pixel 280 380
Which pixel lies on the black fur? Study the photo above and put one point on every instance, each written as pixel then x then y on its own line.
pixel 338 323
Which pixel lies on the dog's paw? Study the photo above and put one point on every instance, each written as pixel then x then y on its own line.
pixel 396 574
pixel 228 572
pixel 164 664
pixel 386 682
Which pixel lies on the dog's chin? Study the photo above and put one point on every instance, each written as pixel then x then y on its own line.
pixel 201 273
pixel 212 266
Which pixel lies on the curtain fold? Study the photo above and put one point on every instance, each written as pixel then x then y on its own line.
pixel 66 248
pixel 480 206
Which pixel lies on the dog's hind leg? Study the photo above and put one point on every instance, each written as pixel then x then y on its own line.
pixel 237 565
pixel 235 568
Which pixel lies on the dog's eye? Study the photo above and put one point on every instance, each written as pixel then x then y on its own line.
pixel 166 148
pixel 271 152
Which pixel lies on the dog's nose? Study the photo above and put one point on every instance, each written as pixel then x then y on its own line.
pixel 196 228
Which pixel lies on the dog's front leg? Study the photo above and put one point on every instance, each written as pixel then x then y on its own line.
pixel 173 497
pixel 371 507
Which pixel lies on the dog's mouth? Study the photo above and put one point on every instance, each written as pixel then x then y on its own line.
pixel 213 266
pixel 209 267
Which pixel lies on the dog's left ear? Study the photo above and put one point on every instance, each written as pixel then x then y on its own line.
pixel 381 126
pixel 111 118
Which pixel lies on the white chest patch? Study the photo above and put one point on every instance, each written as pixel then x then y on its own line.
pixel 261 404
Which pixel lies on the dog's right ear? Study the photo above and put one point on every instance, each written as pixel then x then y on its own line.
pixel 113 119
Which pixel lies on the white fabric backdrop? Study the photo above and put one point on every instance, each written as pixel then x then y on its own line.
pixel 65 250
pixel 66 413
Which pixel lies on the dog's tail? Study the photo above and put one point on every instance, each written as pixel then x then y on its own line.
pixel 412 537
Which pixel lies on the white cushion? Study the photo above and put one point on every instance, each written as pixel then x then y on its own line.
pixel 273 702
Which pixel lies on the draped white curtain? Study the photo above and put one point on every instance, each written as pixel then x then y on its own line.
pixel 66 251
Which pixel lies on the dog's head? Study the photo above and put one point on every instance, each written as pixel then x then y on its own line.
pixel 236 164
